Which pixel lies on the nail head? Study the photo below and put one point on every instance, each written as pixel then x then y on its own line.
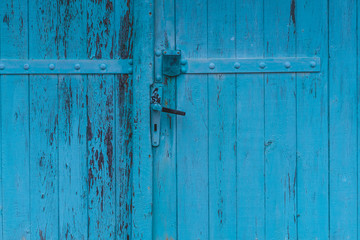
pixel 102 66
pixel 51 66
pixel 262 65
pixel 77 66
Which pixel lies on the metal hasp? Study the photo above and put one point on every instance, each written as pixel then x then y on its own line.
pixel 171 66
pixel 156 109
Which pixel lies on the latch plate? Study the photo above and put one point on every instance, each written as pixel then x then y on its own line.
pixel 156 94
pixel 171 65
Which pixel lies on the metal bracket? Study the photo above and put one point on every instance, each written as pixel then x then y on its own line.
pixel 250 65
pixel 171 63
pixel 48 66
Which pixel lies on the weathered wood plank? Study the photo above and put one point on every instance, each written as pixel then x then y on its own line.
pixel 1 178
pixel 72 124
pixel 222 123
pixel 343 119
pixel 280 124
pixel 101 124
pixel 15 124
pixel 164 193
pixel 250 124
pixel 142 155
pixel 123 120
pixel 192 130
pixel 312 122
pixel 43 123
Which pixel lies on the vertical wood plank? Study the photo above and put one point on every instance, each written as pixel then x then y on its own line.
pixel 101 125
pixel 164 185
pixel 250 123
pixel 124 160
pixel 343 119
pixel 222 123
pixel 142 155
pixel 1 178
pixel 43 123
pixel 192 130
pixel 123 138
pixel 280 124
pixel 72 125
pixel 1 143
pixel 15 123
pixel 312 122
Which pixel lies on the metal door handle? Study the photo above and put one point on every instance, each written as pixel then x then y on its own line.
pixel 156 110
pixel 173 111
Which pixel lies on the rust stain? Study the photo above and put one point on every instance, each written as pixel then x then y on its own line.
pixel 292 12
pixel 89 133
pixel 125 34
pixel 109 150
pixel 41 235
pixel 6 20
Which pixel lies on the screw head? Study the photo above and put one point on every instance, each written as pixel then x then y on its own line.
pixel 262 65
pixel 158 53
pixel 312 64
pixel 287 64
pixel 211 65
pixel 2 66
pixel 130 69
pixel 102 66
pixel 158 77
pixel 131 62
pixel 183 69
pixel 77 66
pixel 26 66
pixel 51 66
pixel 183 61
pixel 237 65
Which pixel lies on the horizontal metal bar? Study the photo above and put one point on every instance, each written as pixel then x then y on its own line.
pixel 47 66
pixel 250 65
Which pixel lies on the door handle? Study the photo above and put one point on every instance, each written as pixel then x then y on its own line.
pixel 173 111
pixel 156 110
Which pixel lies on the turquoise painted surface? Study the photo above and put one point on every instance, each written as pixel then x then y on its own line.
pixel 263 156
pixel 257 156
pixel 66 140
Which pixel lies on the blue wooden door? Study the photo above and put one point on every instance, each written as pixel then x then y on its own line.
pixel 268 148
pixel 67 129
pixel 263 153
